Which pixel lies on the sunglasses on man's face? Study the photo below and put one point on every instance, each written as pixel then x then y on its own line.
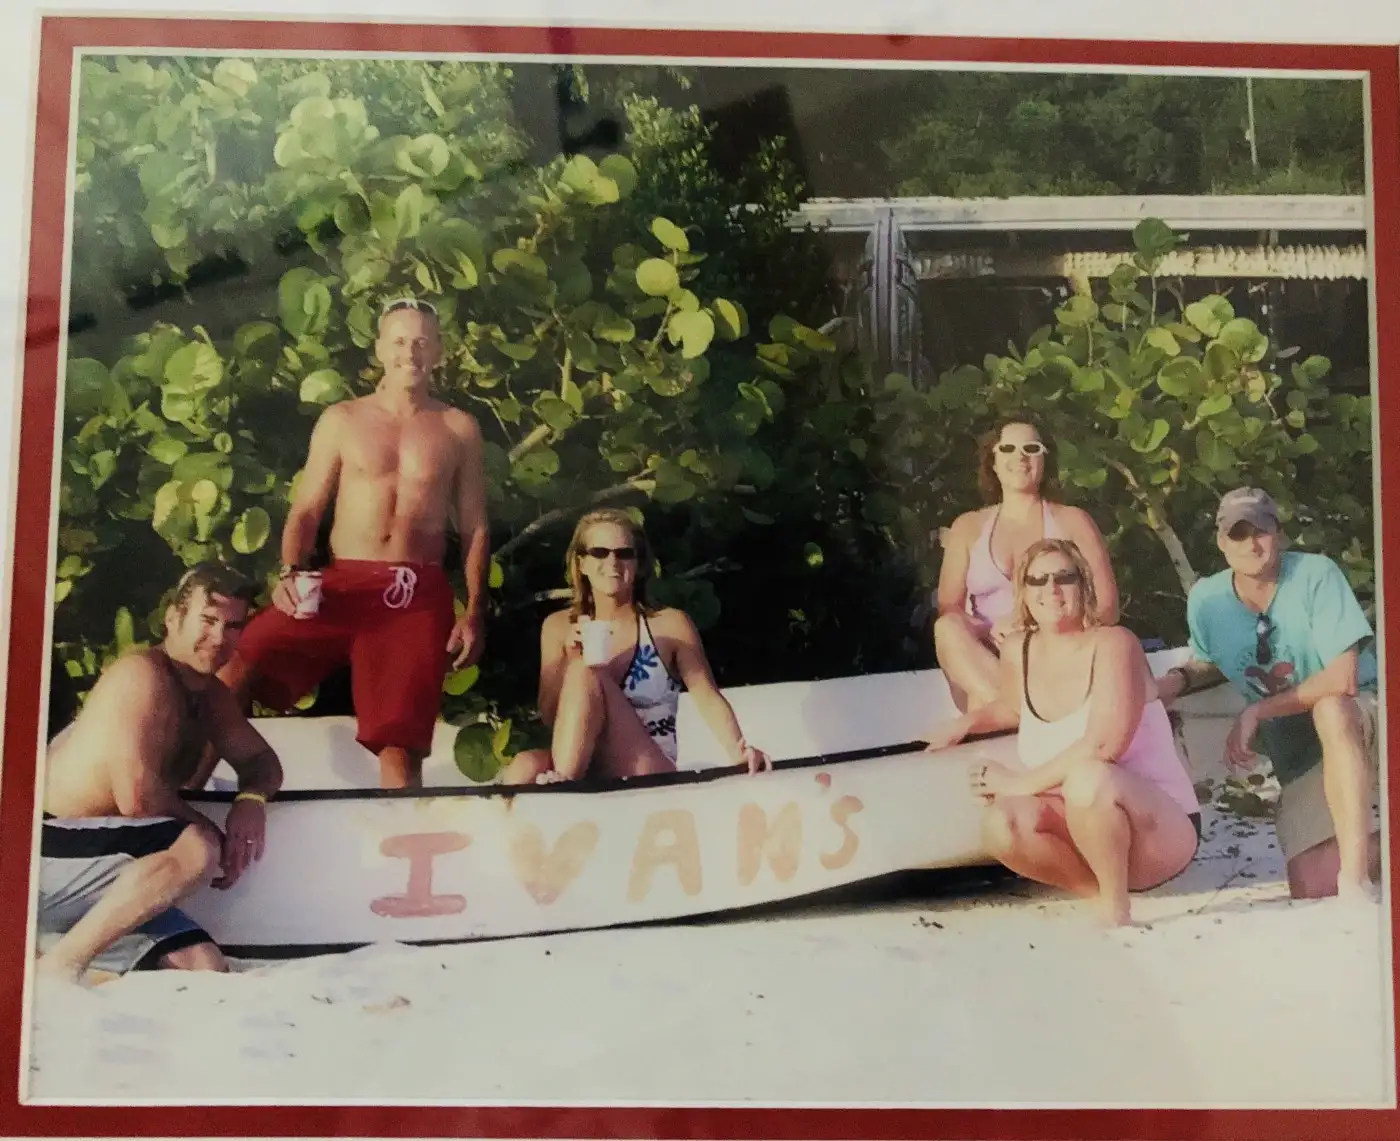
pixel 1034 448
pixel 1263 629
pixel 1059 578
pixel 408 303
pixel 624 554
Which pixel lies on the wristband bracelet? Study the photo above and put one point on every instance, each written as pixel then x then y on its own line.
pixel 261 798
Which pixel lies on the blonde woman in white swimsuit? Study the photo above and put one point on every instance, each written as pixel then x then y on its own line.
pixel 1098 802
pixel 618 719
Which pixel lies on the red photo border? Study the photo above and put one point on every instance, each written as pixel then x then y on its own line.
pixel 60 37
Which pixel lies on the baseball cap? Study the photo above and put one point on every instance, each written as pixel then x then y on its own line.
pixel 1246 505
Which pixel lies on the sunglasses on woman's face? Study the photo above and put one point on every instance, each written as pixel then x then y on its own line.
pixel 1059 578
pixel 1263 629
pixel 624 554
pixel 1034 448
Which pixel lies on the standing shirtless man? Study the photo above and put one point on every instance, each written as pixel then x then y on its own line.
pixel 399 464
pixel 119 845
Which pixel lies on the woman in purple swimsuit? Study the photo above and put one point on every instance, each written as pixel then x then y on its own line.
pixel 1017 476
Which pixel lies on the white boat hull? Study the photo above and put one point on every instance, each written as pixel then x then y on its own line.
pixel 348 865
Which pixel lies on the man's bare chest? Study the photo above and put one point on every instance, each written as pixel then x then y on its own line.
pixel 421 450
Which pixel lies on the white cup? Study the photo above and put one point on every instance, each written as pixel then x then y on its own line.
pixel 595 637
pixel 307 585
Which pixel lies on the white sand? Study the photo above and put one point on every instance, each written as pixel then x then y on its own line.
pixel 1231 996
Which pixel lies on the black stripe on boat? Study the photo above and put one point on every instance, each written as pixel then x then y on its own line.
pixel 616 784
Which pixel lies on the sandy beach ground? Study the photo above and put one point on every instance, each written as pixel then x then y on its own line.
pixel 1228 995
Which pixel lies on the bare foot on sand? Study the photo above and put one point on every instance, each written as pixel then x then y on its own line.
pixel 1111 914
pixel 1351 894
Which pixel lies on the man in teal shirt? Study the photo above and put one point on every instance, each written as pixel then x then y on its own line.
pixel 1286 629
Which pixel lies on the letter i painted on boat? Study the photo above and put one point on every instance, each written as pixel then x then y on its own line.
pixel 420 849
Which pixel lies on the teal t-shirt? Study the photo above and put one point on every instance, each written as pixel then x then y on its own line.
pixel 1315 617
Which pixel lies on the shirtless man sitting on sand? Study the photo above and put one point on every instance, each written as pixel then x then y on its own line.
pixel 119 845
pixel 398 464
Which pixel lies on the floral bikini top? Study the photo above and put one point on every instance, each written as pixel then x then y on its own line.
pixel 652 691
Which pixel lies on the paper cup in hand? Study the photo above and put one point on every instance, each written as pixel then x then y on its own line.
pixel 308 590
pixel 594 637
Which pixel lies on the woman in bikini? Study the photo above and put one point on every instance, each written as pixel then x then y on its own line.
pixel 1017 476
pixel 1099 803
pixel 618 719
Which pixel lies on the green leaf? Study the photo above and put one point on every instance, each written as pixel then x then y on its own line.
pixel 695 330
pixel 124 629
pixel 1161 339
pixel 657 278
pixel 166 449
pixel 507 260
pixel 670 235
pixel 1310 371
pixel 497 576
pixel 176 406
pixel 251 531
pixel 1214 453
pixel 101 465
pixel 1152 238
pixel 620 170
pixel 193 368
pixel 1077 312
pixel 812 556
pixel 554 412
pixel 1088 380
pixel 472 751
pixel 236 76
pixel 1152 439
pixel 409 208
pixel 1179 377
pixel 1209 314
pixel 572 395
pixel 612 326
pixel 1305 444
pixel 459 681
pixel 1244 337
pixel 324 386
pixel 730 320
pixel 1214 405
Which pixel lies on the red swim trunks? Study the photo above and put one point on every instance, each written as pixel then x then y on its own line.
pixel 389 622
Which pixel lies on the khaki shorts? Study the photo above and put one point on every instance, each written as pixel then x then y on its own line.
pixel 1303 819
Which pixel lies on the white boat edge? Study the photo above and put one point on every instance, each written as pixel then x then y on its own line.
pixel 852 798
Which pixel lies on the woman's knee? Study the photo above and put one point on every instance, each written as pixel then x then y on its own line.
pixel 1002 829
pixel 526 767
pixel 1090 784
pixel 950 628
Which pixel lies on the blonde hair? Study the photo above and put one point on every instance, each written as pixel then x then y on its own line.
pixel 1089 602
pixel 581 593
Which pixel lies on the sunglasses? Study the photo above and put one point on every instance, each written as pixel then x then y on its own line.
pixel 1263 629
pixel 624 554
pixel 407 303
pixel 1059 578
pixel 1034 448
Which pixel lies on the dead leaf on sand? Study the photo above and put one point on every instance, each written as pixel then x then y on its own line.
pixel 398 1002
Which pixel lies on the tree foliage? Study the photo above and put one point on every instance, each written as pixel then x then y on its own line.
pixel 629 325
pixel 1006 133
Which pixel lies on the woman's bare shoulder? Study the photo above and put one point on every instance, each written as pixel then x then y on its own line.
pixel 670 621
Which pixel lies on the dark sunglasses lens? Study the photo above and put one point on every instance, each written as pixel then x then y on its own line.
pixel 626 554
